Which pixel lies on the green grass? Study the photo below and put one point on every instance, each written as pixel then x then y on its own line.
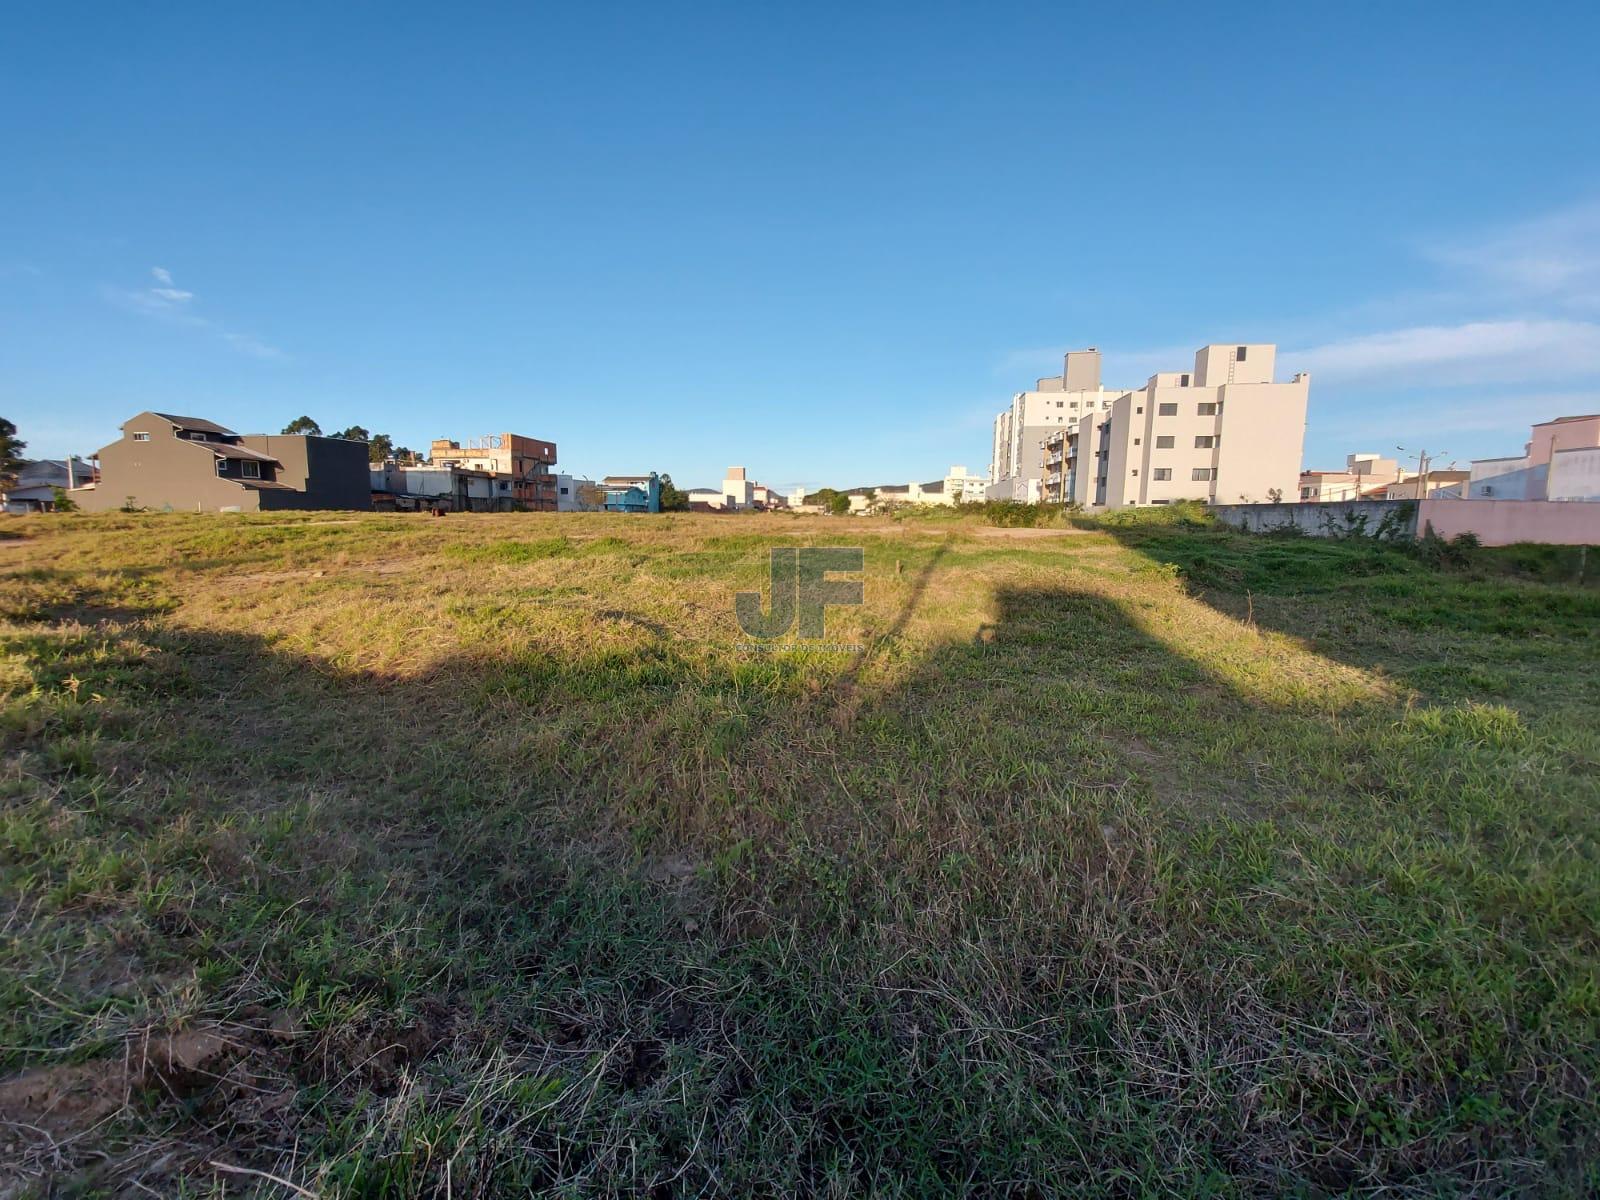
pixel 1144 859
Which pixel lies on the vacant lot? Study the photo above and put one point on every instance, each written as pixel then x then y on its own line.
pixel 390 856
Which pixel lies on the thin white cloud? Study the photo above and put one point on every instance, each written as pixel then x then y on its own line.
pixel 1554 258
pixel 1472 352
pixel 173 305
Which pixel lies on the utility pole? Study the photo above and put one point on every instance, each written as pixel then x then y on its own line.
pixel 1423 461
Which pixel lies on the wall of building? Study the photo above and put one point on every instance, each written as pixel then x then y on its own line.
pixel 1262 433
pixel 1575 474
pixel 1506 479
pixel 325 472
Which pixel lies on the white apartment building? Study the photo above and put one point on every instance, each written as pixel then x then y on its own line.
pixel 1016 467
pixel 1222 433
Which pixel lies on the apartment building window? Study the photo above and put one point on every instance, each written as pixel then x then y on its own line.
pixel 250 470
pixel 222 466
pixel 1240 356
pixel 1161 473
pixel 194 436
pixel 1208 409
pixel 1167 410
pixel 1204 441
pixel 1140 409
pixel 1164 442
pixel 1136 441
pixel 141 437
pixel 1202 473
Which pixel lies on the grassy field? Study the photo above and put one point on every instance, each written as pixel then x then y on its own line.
pixel 382 856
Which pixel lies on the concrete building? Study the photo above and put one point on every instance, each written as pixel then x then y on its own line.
pixel 1446 483
pixel 528 463
pixel 1363 475
pixel 1559 462
pixel 1224 432
pixel 451 488
pixel 1016 467
pixel 737 490
pixel 577 493
pixel 165 461
pixel 35 488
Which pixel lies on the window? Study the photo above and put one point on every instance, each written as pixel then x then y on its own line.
pixel 1204 441
pixel 1136 472
pixel 1241 353
pixel 222 466
pixel 195 436
pixel 1139 410
pixel 141 437
pixel 1202 473
pixel 1164 442
pixel 1136 441
pixel 250 470
pixel 1167 410
pixel 1185 381
pixel 1208 409
pixel 563 491
pixel 1161 473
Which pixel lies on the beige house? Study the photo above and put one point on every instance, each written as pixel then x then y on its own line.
pixel 1363 478
pixel 164 461
pixel 1223 433
pixel 1444 484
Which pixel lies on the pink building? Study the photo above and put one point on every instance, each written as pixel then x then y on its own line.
pixel 1560 462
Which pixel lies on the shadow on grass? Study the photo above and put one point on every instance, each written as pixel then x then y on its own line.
pixel 1063 909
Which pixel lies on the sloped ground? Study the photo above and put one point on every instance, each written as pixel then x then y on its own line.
pixel 472 857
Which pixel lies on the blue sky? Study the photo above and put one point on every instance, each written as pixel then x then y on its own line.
pixel 826 242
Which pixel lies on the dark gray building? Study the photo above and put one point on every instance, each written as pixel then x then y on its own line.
pixel 165 461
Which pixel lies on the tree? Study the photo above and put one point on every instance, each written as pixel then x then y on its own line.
pixel 11 448
pixel 839 503
pixel 64 502
pixel 303 425
pixel 354 434
pixel 379 447
pixel 673 499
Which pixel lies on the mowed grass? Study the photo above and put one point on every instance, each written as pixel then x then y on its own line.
pixel 392 856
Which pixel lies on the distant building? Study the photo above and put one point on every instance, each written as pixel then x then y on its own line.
pixel 408 488
pixel 527 463
pixel 575 493
pixel 166 461
pixel 1016 466
pixel 1364 476
pixel 1561 461
pixel 35 489
pixel 634 498
pixel 1224 432
pixel 1444 484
